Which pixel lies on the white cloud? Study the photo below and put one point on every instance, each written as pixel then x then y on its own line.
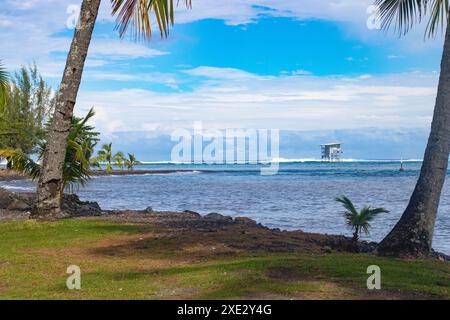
pixel 235 12
pixel 221 73
pixel 121 49
pixel 167 79
pixel 31 31
pixel 285 102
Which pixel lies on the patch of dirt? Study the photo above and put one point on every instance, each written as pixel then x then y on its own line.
pixel 9 216
pixel 173 293
pixel 189 234
pixel 390 294
pixel 333 291
pixel 285 274
pixel 323 291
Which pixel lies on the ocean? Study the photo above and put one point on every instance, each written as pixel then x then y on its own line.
pixel 300 196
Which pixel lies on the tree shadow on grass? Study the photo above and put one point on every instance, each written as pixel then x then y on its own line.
pixel 118 228
pixel 192 245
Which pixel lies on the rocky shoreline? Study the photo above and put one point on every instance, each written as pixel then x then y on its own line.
pixel 18 206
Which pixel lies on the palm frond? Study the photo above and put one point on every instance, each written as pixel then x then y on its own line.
pixel 403 14
pixel 21 162
pixel 348 204
pixel 400 13
pixel 376 211
pixel 366 227
pixel 439 16
pixel 135 15
pixel 4 83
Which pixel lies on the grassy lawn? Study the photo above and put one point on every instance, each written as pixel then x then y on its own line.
pixel 34 258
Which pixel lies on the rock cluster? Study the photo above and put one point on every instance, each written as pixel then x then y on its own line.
pixel 23 202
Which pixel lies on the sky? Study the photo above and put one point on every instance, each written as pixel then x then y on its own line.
pixel 312 69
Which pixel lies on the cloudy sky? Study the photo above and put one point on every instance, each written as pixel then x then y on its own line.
pixel 314 71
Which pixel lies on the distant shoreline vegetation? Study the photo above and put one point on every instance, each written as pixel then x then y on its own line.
pixel 3 163
pixel 281 161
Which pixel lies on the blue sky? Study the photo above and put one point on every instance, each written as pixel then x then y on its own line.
pixel 314 70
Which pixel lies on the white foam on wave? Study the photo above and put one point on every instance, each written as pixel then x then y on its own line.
pixel 302 160
pixel 17 188
pixel 285 160
pixel 173 173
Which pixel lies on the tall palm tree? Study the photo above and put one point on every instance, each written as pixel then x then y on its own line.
pixel 413 234
pixel 130 13
pixel 4 82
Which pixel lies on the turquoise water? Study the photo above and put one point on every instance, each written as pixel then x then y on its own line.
pixel 300 196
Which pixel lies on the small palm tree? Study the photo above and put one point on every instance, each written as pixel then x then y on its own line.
pixel 358 221
pixel 105 155
pixel 80 146
pixel 4 83
pixel 119 159
pixel 131 162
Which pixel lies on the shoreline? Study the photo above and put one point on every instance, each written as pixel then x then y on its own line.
pixel 11 175
pixel 16 206
pixel 142 172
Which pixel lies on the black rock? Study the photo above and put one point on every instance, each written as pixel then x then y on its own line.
pixel 73 206
pixel 6 198
pixel 245 220
pixel 217 217
pixel 19 205
pixel 16 201
pixel 192 213
pixel 327 249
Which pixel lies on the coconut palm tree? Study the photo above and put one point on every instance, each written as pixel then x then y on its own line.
pixel 4 82
pixel 358 221
pixel 119 159
pixel 413 234
pixel 105 155
pixel 134 14
pixel 131 162
pixel 81 142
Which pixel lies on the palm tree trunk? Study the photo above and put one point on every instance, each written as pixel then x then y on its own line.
pixel 413 234
pixel 355 236
pixel 9 164
pixel 50 187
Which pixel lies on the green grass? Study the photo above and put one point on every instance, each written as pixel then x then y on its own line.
pixel 34 257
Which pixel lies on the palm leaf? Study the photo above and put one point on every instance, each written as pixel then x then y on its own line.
pixel 403 14
pixel 439 13
pixel 21 162
pixel 4 84
pixel 377 211
pixel 135 15
pixel 347 203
